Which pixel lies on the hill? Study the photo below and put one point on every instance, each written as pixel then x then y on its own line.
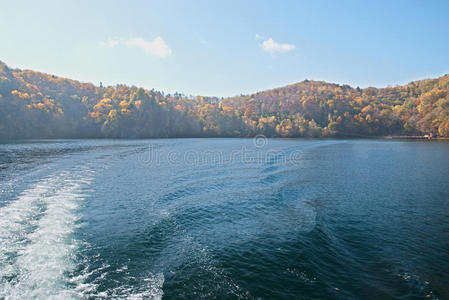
pixel 39 105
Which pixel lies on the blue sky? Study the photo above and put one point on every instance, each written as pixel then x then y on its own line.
pixel 225 48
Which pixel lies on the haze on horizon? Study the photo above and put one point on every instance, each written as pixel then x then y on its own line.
pixel 228 48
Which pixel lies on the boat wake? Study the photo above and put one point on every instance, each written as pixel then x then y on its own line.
pixel 37 244
pixel 39 251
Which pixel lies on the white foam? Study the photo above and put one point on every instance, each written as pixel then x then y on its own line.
pixel 148 288
pixel 38 248
pixel 16 221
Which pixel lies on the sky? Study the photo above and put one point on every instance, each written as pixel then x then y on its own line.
pixel 227 47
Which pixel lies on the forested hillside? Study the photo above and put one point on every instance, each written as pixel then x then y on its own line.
pixel 38 105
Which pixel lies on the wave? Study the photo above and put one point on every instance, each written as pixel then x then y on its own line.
pixel 149 287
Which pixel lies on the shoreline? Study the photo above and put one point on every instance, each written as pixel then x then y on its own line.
pixel 415 137
pixel 401 137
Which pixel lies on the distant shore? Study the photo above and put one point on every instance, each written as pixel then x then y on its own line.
pixel 414 137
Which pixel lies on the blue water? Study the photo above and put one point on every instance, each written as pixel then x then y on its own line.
pixel 224 218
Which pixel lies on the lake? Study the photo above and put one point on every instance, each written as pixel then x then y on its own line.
pixel 224 218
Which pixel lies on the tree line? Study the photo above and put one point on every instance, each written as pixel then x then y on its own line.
pixel 38 105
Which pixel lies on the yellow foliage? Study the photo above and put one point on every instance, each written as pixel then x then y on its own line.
pixel 125 111
pixel 96 115
pixel 227 109
pixel 104 105
pixel 113 114
pixel 368 118
pixel 124 104
pixel 366 109
pixel 20 95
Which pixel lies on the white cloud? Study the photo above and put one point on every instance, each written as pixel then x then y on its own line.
pixel 156 47
pixel 273 47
